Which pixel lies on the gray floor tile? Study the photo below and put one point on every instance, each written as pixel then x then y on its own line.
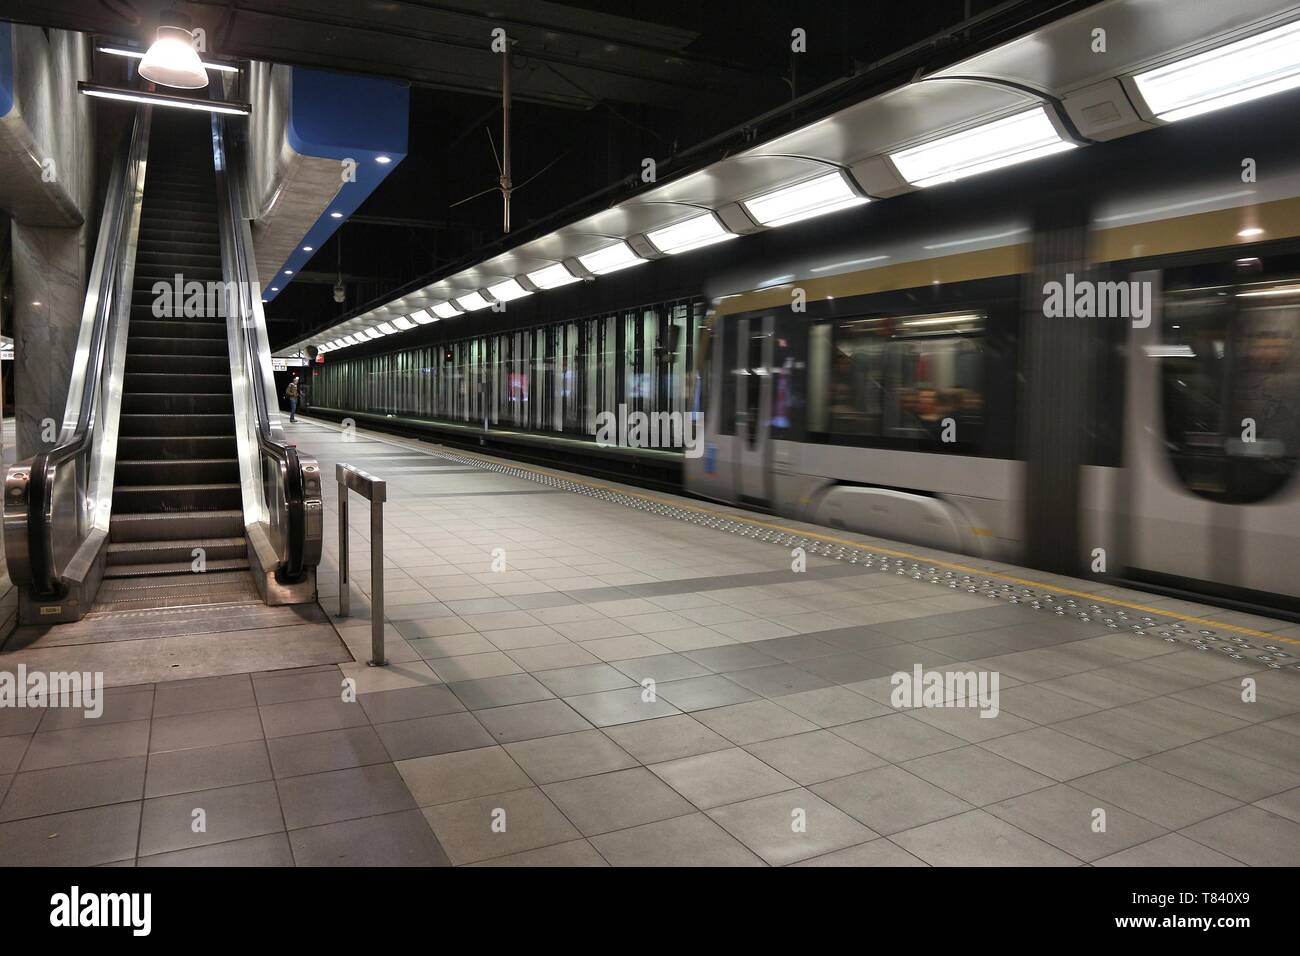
pixel 506 823
pixel 1053 753
pixel 543 718
pixel 976 838
pixel 731 657
pixel 198 696
pixel 74 787
pixel 59 748
pixel 682 841
pixel 753 721
pixel 814 757
pixel 1284 804
pixel 1066 818
pixel 976 775
pixel 500 691
pixel 584 679
pixel 117 707
pixel 11 752
pixel 898 737
pixel 229 813
pixel 280 687
pixel 1041 706
pixel 311 716
pixel 701 693
pixel 325 750
pixel 404 739
pixel 790 826
pixel 205 730
pixel 272 849
pixel 78 838
pixel 390 839
pixel 1251 835
pixel 409 703
pixel 1234 774
pixel 445 778
pixel 660 668
pixel 16 721
pixel 878 852
pixel 775 680
pixel 1172 849
pixel 337 795
pixel 1159 797
pixel 565 756
pixel 616 800
pixel 722 777
pixel 889 799
pixel 573 853
pixel 667 738
pixel 207 768
pixel 611 707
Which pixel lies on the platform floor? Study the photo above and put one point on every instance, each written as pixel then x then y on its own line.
pixel 514 726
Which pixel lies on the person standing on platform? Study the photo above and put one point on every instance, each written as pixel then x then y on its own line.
pixel 291 393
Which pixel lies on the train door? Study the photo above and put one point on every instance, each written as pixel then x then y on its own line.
pixel 1212 497
pixel 753 457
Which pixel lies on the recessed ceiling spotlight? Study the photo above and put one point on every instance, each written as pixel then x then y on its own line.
pixel 383 160
pixel 306 248
pixel 1249 232
pixel 336 215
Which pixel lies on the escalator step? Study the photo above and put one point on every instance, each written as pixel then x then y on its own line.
pixel 177 448
pixel 176 471
pixel 164 552
pixel 146 382
pixel 176 526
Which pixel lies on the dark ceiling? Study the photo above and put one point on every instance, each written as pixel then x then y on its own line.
pixel 597 88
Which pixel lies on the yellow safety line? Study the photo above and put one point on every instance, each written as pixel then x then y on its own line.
pixel 951 565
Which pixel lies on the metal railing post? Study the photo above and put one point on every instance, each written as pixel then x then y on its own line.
pixel 375 490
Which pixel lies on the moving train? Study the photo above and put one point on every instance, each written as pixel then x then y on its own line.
pixel 1087 364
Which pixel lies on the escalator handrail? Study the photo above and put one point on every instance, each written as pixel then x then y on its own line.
pixel 45 578
pixel 285 455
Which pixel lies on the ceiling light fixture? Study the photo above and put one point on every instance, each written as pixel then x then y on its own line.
pixel 508 291
pixel 813 197
pixel 171 59
pixel 552 277
pixel 1234 73
pixel 445 310
pixel 473 302
pixel 139 54
pixel 693 233
pixel 1005 142
pixel 610 259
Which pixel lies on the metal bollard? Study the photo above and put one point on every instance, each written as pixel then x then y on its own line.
pixel 374 490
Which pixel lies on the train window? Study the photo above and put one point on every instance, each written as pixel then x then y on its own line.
pixel 916 378
pixel 1230 362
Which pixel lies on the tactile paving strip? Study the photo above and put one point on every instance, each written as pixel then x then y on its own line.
pixel 1168 628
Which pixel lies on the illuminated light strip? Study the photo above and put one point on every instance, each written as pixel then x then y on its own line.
pixel 863 546
pixel 139 55
pixel 1227 75
pixel 812 197
pixel 163 99
pixel 981 149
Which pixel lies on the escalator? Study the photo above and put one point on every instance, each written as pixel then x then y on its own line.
pixel 176 495
pixel 171 484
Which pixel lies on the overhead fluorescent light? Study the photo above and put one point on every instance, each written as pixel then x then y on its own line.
pixel 1248 69
pixel 423 316
pixel 508 291
pixel 336 344
pixel 139 55
pixel 813 197
pixel 445 310
pixel 693 233
pixel 610 259
pixel 163 99
pixel 385 328
pixel 349 340
pixel 1005 142
pixel 552 277
pixel 372 333
pixel 473 302
pixel 402 323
